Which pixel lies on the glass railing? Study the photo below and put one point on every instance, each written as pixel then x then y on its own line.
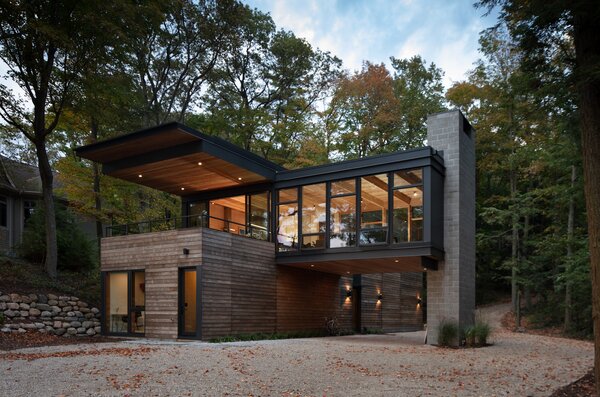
pixel 205 221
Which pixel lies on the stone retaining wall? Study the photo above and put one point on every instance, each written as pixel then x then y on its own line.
pixel 52 314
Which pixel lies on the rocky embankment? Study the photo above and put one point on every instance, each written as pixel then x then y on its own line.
pixel 52 314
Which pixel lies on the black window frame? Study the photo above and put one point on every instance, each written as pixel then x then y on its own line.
pixel 105 324
pixel 3 211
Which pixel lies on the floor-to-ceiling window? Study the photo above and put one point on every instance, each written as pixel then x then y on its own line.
pixel 124 302
pixel 342 214
pixel 407 222
pixel 287 220
pixel 244 215
pixel 313 216
pixel 373 209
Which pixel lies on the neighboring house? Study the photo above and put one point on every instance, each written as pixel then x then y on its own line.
pixel 20 194
pixel 265 249
pixel 20 191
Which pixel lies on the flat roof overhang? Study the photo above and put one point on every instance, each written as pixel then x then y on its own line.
pixel 179 160
pixel 385 260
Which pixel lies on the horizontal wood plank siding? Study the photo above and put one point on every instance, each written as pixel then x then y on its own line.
pixel 238 284
pixel 160 255
pixel 305 298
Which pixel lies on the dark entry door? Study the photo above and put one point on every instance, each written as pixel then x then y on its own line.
pixel 189 302
pixel 356 306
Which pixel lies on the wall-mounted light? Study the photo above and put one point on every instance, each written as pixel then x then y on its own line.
pixel 419 301
pixel 186 251
pixel 349 293
pixel 379 296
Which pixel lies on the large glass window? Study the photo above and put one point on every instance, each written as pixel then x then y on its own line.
pixel 28 208
pixel 287 220
pixel 197 214
pixel 116 302
pixel 125 302
pixel 138 297
pixel 407 223
pixel 228 214
pixel 259 216
pixel 313 216
pixel 373 209
pixel 342 214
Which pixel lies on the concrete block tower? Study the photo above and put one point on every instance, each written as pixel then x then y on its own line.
pixel 451 289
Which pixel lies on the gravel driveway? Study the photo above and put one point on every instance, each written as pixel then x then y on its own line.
pixel 370 365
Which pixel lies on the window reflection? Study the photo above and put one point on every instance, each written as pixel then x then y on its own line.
pixel 313 216
pixel 342 232
pixel 408 206
pixel 374 209
pixel 259 216
pixel 287 221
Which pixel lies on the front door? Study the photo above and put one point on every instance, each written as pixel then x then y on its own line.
pixel 188 302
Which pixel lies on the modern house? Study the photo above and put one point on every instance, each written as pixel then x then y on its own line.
pixel 264 249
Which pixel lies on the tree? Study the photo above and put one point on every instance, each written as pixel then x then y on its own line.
pixel 367 109
pixel 420 92
pixel 537 25
pixel 174 52
pixel 45 44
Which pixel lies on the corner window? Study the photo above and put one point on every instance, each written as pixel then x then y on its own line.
pixel 407 214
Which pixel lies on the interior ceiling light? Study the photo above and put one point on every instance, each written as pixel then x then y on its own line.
pixel 140 175
pixel 396 261
pixel 182 188
pixel 240 178
pixel 199 162
pixel 415 194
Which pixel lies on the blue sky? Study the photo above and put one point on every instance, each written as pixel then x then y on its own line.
pixel 445 32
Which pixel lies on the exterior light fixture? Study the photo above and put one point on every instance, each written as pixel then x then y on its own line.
pixel 347 272
pixel 379 296
pixel 312 265
pixel 419 301
pixel 199 162
pixel 186 251
pixel 140 175
pixel 349 293
pixel 397 261
pixel 182 188
pixel 415 194
pixel 240 178
pixel 424 269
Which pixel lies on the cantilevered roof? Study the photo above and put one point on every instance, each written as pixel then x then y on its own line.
pixel 178 159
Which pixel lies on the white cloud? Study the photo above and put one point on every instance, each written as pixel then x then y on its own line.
pixel 442 32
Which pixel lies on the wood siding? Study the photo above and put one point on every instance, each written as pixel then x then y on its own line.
pixel 244 291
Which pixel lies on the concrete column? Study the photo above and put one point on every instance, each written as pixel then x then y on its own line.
pixel 451 289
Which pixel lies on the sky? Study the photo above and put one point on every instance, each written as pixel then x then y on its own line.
pixel 445 32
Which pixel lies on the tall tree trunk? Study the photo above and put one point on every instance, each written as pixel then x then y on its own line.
pixel 96 170
pixel 47 178
pixel 570 223
pixel 514 241
pixel 523 257
pixel 587 50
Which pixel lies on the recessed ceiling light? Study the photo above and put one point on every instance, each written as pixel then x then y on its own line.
pixel 140 175
pixel 396 261
pixel 424 269
pixel 240 178
pixel 347 272
pixel 312 265
pixel 182 188
pixel 199 162
pixel 415 194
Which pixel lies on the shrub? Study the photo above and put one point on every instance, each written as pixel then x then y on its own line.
pixel 75 250
pixel 470 336
pixel 332 326
pixel 447 333
pixel 1 319
pixel 482 332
